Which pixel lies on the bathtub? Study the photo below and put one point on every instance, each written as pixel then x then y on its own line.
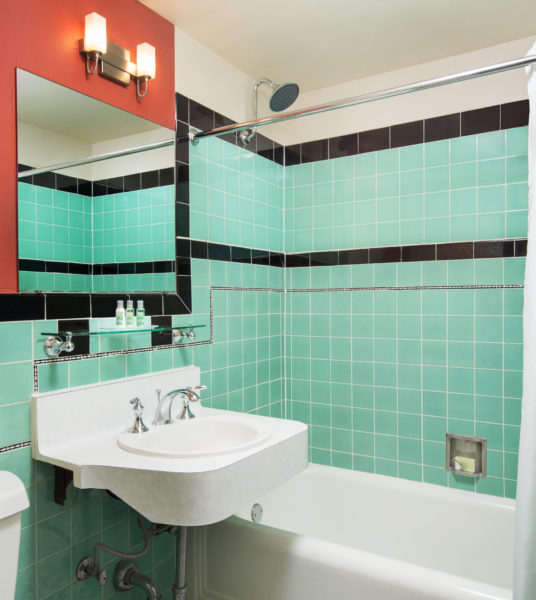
pixel 336 534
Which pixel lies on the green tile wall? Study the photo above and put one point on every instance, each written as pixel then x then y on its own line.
pixel 381 375
pixel 243 369
pixel 236 196
pixel 124 227
pixel 134 226
pixel 468 188
pixel 54 225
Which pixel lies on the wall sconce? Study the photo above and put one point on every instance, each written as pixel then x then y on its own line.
pixel 113 61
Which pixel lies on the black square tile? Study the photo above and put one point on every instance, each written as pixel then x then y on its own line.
pixel 182 145
pixel 319 259
pixel 418 253
pixel 265 147
pixel 385 255
pixel 219 252
pixel 297 260
pixel 184 290
pixel 279 154
pixel 132 182
pixel 182 187
pixel 494 249
pixel 442 128
pixel 407 134
pixel 66 183
pixel 47 180
pixel 161 338
pixel 277 259
pixel 182 219
pixel 201 117
pixel 373 140
pixel 521 247
pixel 181 108
pixel 359 256
pixel 167 176
pixel 199 249
pixel 481 120
pixel 68 306
pixel 241 255
pixel 343 145
pixel 22 307
pixel 292 155
pixel 149 179
pixel 455 251
pixel 313 151
pixel 515 114
pixel 173 305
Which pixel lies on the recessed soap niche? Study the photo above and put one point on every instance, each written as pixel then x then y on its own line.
pixel 466 455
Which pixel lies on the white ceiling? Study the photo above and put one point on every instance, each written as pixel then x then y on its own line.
pixel 54 107
pixel 318 43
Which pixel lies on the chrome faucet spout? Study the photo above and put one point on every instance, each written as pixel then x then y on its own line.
pixel 163 410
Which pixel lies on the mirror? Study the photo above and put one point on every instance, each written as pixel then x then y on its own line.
pixel 104 226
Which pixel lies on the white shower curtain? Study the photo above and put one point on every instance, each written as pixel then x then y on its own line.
pixel 525 532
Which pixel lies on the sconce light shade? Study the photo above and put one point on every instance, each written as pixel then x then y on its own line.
pixel 146 60
pixel 95 33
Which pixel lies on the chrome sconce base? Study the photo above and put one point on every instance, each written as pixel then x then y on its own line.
pixel 115 65
pixel 55 344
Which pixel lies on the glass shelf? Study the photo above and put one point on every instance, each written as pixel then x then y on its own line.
pixel 123 330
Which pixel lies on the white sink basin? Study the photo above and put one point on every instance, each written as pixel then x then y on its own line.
pixel 186 473
pixel 205 436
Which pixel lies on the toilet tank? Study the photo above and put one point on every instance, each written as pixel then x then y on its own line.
pixel 13 500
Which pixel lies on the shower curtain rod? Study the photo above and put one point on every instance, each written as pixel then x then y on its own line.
pixel 96 158
pixel 370 97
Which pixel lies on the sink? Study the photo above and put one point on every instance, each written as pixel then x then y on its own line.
pixel 205 436
pixel 191 473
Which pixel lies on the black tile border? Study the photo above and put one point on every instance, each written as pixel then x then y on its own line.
pixel 127 268
pixel 100 187
pixel 417 253
pixel 471 122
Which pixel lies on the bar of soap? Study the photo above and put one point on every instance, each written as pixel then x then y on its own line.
pixel 464 464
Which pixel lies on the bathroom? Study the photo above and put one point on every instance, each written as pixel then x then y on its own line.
pixel 358 274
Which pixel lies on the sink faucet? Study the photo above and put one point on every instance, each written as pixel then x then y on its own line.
pixel 163 409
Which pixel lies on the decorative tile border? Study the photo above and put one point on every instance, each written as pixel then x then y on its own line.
pixel 15 446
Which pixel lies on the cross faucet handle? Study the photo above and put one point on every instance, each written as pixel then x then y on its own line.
pixel 139 426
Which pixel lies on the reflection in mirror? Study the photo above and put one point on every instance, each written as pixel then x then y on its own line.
pixel 106 226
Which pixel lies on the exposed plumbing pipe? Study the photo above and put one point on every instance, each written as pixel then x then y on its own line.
pixel 179 587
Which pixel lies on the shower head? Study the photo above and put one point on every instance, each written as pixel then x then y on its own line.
pixel 283 96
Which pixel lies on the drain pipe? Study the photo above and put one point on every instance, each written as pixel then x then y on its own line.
pixel 179 587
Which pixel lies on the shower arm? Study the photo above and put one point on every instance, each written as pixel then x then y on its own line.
pixel 516 63
pixel 246 137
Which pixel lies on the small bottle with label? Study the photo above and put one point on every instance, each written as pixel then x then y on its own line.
pixel 140 314
pixel 120 314
pixel 130 317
